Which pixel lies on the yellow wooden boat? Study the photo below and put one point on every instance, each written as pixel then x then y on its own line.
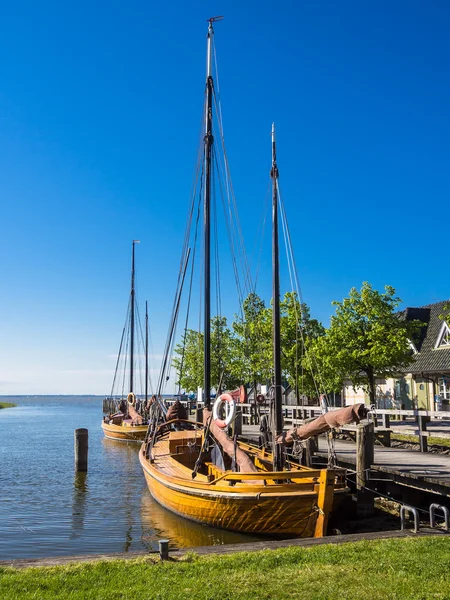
pixel 287 503
pixel 124 431
pixel 130 421
pixel 196 470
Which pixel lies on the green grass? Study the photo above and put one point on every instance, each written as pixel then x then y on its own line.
pixel 403 569
pixel 7 405
pixel 414 439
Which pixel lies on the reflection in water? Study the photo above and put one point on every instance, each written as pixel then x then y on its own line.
pixel 158 522
pixel 80 490
pixel 125 455
pixel 58 512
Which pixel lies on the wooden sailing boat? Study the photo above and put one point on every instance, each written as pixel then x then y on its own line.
pixel 130 422
pixel 253 490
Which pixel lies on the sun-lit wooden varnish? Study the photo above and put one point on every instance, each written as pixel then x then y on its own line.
pixel 290 503
pixel 124 433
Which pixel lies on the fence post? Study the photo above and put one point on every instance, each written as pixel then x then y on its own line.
pixel 423 440
pixel 365 438
pixel 385 419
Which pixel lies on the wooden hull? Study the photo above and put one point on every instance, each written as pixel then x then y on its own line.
pixel 240 501
pixel 124 433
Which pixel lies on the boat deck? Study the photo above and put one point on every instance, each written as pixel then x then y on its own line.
pixel 175 454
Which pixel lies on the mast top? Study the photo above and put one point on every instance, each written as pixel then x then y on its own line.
pixel 212 20
pixel 210 35
pixel 274 171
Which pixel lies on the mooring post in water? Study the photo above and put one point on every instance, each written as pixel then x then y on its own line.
pixel 81 449
pixel 364 460
pixel 164 549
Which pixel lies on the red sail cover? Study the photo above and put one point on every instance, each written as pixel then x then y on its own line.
pixel 176 411
pixel 329 420
pixel 134 415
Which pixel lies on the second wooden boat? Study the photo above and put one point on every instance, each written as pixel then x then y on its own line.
pixel 129 422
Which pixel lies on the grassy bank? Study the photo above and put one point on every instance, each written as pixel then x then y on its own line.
pixel 410 568
pixel 7 405
pixel 414 439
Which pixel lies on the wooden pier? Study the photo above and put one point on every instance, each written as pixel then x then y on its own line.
pixel 372 464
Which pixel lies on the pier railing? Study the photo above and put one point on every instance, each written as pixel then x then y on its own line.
pixel 386 421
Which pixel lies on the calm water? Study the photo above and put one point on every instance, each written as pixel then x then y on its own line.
pixel 48 510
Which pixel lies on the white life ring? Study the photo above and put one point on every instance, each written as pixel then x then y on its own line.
pixel 131 398
pixel 230 410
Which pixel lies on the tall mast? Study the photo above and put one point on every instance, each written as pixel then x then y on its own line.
pixel 278 456
pixel 208 141
pixel 146 350
pixel 132 319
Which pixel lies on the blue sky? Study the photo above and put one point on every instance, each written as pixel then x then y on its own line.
pixel 100 105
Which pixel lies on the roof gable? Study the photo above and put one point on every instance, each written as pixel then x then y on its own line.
pixel 430 356
pixel 443 339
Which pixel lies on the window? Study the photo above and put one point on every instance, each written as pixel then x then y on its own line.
pixel 444 388
pixel 443 340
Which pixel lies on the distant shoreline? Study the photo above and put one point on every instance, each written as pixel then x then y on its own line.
pixel 7 405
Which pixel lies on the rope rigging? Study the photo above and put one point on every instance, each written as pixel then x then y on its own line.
pixel 221 186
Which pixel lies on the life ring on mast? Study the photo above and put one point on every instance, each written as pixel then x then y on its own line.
pixel 260 399
pixel 131 399
pixel 230 410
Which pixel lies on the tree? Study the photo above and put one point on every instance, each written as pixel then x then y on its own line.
pixel 189 358
pixel 188 362
pixel 367 338
pixel 253 341
pixel 445 316
pixel 298 331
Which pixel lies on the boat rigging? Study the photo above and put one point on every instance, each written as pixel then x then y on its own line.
pixel 196 469
pixel 129 421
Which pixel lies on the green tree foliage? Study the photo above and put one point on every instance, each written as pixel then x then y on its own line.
pixel 253 342
pixel 244 354
pixel 366 339
pixel 298 330
pixel 188 359
pixel 446 314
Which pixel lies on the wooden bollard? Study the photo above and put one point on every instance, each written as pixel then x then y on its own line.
pixel 164 549
pixel 364 459
pixel 81 449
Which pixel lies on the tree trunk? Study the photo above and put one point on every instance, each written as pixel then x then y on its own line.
pixel 372 390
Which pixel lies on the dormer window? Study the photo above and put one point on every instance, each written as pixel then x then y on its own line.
pixel 443 340
pixel 412 347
